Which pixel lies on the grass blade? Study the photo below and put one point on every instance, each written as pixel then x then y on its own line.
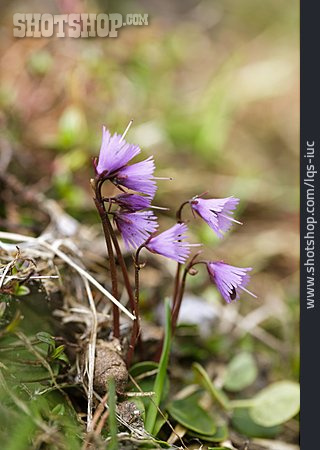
pixel 162 372
pixel 112 415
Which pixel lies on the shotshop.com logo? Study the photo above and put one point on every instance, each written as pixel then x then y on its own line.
pixel 73 25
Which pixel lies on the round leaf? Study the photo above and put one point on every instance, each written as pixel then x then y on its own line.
pixel 241 372
pixel 219 448
pixel 148 371
pixel 143 367
pixel 192 416
pixel 220 435
pixel 276 404
pixel 242 422
pixel 22 290
pixel 45 337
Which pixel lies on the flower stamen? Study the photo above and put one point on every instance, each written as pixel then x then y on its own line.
pixel 231 219
pixel 248 292
pixel 126 130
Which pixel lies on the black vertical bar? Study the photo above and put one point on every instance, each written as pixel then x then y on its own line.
pixel 310 220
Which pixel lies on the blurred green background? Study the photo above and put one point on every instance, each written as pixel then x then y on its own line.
pixel 212 87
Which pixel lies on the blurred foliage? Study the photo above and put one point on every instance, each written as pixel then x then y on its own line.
pixel 212 89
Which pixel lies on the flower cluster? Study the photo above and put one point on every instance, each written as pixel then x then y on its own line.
pixel 133 221
pixel 138 224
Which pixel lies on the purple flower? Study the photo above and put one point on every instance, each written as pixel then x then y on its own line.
pixel 216 212
pixel 138 177
pixel 115 152
pixel 132 202
pixel 135 227
pixel 229 279
pixel 170 243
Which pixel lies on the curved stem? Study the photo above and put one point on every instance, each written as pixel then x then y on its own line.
pixel 177 304
pixel 176 284
pixel 179 212
pixel 136 289
pixel 178 272
pixel 111 238
pixel 176 307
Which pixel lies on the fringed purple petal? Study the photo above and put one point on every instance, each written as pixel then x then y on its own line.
pixel 132 202
pixel 136 227
pixel 138 177
pixel 115 152
pixel 171 243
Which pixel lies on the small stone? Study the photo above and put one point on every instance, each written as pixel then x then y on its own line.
pixel 109 364
pixel 130 414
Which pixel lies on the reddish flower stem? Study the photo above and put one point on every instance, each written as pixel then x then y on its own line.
pixel 176 307
pixel 176 290
pixel 113 269
pixel 111 238
pixel 137 268
pixel 133 305
pixel 178 272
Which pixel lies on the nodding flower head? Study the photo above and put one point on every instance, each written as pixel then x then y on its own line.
pixel 135 227
pixel 138 177
pixel 230 280
pixel 132 202
pixel 115 153
pixel 171 243
pixel 216 212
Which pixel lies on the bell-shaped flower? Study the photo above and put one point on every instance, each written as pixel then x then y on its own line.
pixel 138 177
pixel 135 227
pixel 216 212
pixel 132 202
pixel 230 280
pixel 171 243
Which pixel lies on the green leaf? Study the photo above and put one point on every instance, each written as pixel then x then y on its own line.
pixel 220 434
pixel 276 404
pixel 143 367
pixel 46 338
pixel 27 368
pixel 203 378
pixel 21 290
pixel 112 399
pixel 58 353
pixel 59 409
pixel 160 421
pixel 148 371
pixel 241 372
pixel 191 415
pixel 242 422
pixel 219 448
